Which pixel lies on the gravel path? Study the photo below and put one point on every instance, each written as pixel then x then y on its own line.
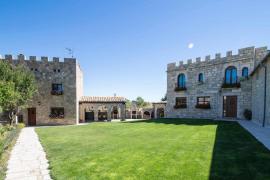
pixel 28 159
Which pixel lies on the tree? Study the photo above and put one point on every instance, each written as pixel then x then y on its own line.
pixel 128 104
pixel 141 103
pixel 164 98
pixel 17 87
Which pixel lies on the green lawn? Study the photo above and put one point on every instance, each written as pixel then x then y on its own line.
pixel 156 149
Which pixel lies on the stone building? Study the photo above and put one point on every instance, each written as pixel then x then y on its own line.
pixel 159 109
pixel 153 110
pixel 213 88
pixel 60 86
pixel 261 92
pixel 102 108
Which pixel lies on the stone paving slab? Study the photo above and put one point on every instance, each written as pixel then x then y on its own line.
pixel 260 133
pixel 28 159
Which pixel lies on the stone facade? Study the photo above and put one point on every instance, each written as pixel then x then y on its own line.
pixel 261 93
pixel 159 109
pixel 154 110
pixel 102 108
pixel 212 87
pixel 67 75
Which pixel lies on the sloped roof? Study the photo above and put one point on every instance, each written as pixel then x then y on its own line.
pixel 161 102
pixel 257 67
pixel 102 99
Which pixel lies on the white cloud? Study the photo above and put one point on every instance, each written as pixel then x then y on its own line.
pixel 190 45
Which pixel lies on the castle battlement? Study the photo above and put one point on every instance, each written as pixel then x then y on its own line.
pixel 248 52
pixel 43 59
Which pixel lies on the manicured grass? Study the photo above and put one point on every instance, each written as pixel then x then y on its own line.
pixel 156 149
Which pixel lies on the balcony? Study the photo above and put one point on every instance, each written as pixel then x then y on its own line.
pixel 57 93
pixel 231 84
pixel 177 88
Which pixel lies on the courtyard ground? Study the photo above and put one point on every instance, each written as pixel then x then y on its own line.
pixel 155 149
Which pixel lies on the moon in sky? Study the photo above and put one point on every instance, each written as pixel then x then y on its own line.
pixel 190 45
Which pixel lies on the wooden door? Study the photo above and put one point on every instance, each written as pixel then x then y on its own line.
pixel 31 116
pixel 230 106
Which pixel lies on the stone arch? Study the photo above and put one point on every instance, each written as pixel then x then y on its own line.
pixel 181 80
pixel 102 113
pixel 133 114
pixel 230 75
pixel 115 112
pixel 146 115
pixel 160 113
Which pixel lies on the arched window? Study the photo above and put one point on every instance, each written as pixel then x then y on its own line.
pixel 181 81
pixel 200 77
pixel 245 72
pixel 231 75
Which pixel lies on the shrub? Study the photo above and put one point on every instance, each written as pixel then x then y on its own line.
pixel 248 114
pixel 180 89
pixel 203 106
pixel 234 85
pixel 180 106
pixel 20 125
pixel 8 138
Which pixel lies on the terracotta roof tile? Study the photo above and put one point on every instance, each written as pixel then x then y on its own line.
pixel 102 99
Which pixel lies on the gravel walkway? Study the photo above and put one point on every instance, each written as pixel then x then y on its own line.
pixel 28 159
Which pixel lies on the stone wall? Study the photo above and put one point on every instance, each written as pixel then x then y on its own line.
pixel 47 72
pixel 214 73
pixel 258 84
pixel 104 106
pixel 79 88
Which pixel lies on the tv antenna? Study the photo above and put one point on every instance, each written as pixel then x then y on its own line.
pixel 70 51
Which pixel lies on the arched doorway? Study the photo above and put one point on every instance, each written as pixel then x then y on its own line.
pixel 160 113
pixel 146 115
pixel 114 113
pixel 89 116
pixel 102 113
pixel 134 115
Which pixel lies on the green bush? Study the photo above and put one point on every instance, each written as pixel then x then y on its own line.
pixel 20 125
pixel 8 133
pixel 8 136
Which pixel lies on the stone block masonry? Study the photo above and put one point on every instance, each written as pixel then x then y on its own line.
pixel 60 86
pixel 223 100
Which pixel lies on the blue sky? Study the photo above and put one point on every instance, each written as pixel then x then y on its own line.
pixel 124 46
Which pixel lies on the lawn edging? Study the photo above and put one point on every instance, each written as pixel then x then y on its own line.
pixel 8 138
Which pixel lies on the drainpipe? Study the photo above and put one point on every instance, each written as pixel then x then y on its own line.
pixel 264 106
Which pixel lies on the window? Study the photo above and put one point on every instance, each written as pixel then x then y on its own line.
pixel 245 72
pixel 200 78
pixel 54 70
pixel 59 70
pixel 180 102
pixel 181 81
pixel 231 75
pixel 57 89
pixel 203 102
pixel 57 112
